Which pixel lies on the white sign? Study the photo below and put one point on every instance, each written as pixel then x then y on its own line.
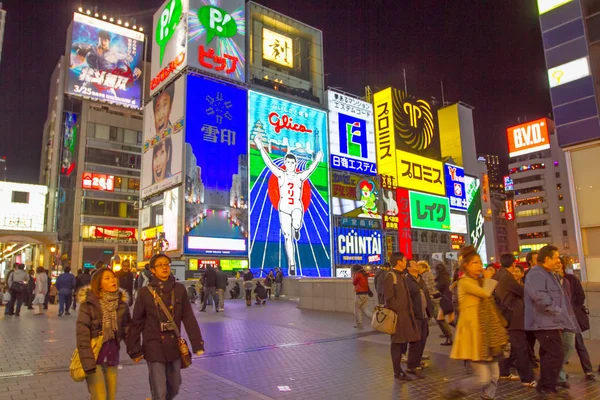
pixel 278 48
pixel 458 223
pixel 22 206
pixel 343 272
pixel 569 72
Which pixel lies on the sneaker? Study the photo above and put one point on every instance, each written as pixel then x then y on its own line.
pixel 426 358
pixel 404 359
pixel 358 326
pixel 532 384
pixel 222 309
pixel 423 366
pixel 448 342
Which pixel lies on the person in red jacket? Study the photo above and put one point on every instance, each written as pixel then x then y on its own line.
pixel 361 288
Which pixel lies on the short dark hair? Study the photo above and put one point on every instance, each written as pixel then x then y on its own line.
pixel 356 268
pixel 529 257
pixel 21 266
pixel 79 271
pixel 104 35
pixel 67 270
pixel 290 155
pixel 386 265
pixel 169 91
pixel 39 270
pixel 507 260
pixel 545 252
pixel 395 257
pixel 156 257
pixel 519 266
pixel 96 280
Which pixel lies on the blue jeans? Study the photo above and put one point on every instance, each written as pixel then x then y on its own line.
pixel 568 342
pixel 64 302
pixel 165 379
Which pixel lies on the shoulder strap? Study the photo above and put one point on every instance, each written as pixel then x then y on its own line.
pixel 164 308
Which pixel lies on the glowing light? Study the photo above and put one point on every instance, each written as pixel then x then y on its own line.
pixel 80 9
pixel 119 22
pixel 104 17
pixel 126 24
pixel 141 29
pixel 88 12
pixel 112 19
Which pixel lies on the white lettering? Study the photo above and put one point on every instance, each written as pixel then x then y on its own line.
pixel 529 136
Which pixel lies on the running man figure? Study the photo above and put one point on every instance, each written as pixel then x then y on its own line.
pixel 291 209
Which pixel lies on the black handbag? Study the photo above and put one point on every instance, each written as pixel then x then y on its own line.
pixel 17 287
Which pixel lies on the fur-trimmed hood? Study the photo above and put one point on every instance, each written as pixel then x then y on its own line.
pixel 84 293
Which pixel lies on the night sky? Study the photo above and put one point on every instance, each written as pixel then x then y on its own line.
pixel 488 53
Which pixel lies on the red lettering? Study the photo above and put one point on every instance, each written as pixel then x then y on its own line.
pixel 285 122
pixel 166 71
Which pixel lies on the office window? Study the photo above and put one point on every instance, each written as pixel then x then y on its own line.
pixel 561 208
pixel 566 245
pixel 563 220
pixel 558 174
pixel 590 7
pixel 565 233
pixel 434 238
pixel 130 137
pixel 20 197
pixel 560 197
pixel 102 132
pixel 443 238
pixel 558 187
pixel 415 236
pixel 424 237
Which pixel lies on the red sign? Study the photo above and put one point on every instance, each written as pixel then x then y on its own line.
pixel 226 62
pixel 404 231
pixel 457 241
pixel 510 211
pixel 112 232
pixel 168 70
pixel 528 137
pixel 286 122
pixel 98 182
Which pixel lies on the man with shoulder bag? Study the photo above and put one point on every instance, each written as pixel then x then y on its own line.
pixel 158 312
pixel 17 285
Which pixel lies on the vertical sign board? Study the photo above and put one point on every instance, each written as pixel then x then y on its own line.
pixel 105 62
pixel 357 246
pixel 475 212
pixel 429 212
pixel 384 134
pixel 509 185
pixel 217 37
pixel 396 217
pixel 351 134
pixel 289 187
pixel 67 158
pixel 164 124
pixel 216 174
pixel 169 43
pixel 404 225
pixel 171 200
pixel 510 211
pixel 455 187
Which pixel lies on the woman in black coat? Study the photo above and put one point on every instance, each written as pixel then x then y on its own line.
pixel 446 312
pixel 103 311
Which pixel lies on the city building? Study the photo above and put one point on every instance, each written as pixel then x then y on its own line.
pixel 494 174
pixel 91 157
pixel 543 210
pixel 571 42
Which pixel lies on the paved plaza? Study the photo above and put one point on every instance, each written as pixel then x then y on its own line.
pixel 275 351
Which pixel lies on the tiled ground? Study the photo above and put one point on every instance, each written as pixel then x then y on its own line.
pixel 251 354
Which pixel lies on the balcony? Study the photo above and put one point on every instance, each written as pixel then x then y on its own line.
pixel 526 174
pixel 541 193
pixel 533 218
pixel 535 241
pixel 534 229
pixel 542 205
pixel 108 221
pixel 526 185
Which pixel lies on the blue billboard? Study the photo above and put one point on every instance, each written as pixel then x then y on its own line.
pixel 216 173
pixel 455 187
pixel 357 246
pixel 289 187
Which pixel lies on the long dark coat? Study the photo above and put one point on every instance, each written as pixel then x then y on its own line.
pixel 397 298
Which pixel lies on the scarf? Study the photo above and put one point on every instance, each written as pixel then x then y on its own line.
pixel 493 329
pixel 109 302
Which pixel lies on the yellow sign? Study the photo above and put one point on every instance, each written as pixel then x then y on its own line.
pixel 151 233
pixel 278 48
pixel 548 5
pixel 193 264
pixel 384 132
pixel 420 173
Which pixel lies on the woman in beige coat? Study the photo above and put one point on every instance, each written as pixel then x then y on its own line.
pixel 469 339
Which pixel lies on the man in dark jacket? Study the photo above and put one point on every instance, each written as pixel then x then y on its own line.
pixel 160 345
pixel 398 299
pixel 210 288
pixel 261 293
pixel 509 296
pixel 248 278
pixel 83 279
pixel 423 310
pixel 222 283
pixel 278 282
pixel 65 284
pixel 379 279
pixel 126 278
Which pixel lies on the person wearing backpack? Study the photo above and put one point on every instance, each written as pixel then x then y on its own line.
pixel 17 284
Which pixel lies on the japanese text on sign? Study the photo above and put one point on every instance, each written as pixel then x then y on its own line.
pixel 226 62
pixel 420 173
pixel 351 165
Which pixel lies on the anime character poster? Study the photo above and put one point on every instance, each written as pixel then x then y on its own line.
pixel 355 195
pixel 105 62
pixel 289 187
pixel 164 125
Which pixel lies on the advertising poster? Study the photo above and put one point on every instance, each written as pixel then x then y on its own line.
pixel 164 124
pixel 455 187
pixel 355 195
pixel 389 203
pixel 429 212
pixel 357 246
pixel 404 226
pixel 351 134
pixel 529 137
pixel 420 173
pixel 289 187
pixel 69 144
pixel 217 37
pixel 106 62
pixel 171 218
pixel 475 213
pixel 216 181
pixel 169 43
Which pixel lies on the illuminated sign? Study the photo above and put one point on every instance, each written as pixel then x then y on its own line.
pixel 351 134
pixel 528 137
pixel 22 206
pixel 429 212
pixel 216 181
pixel 164 126
pixel 169 44
pixel 343 272
pixel 113 232
pixel 510 211
pixel 476 220
pixel 384 133
pixel 289 186
pixel 171 217
pixel 105 62
pixel 94 181
pixel 458 223
pixel 455 187
pixel 355 195
pixel 457 241
pixel 69 141
pixel 359 223
pixel 509 185
pixel 357 246
pixel 569 72
pixel 404 224
pixel 232 265
pixel 151 233
pixel 278 48
pixel 420 173
pixel 548 5
pixel 217 37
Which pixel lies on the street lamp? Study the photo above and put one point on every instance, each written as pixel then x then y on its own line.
pixel 52 249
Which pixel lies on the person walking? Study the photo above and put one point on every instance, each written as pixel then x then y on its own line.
pixel 379 280
pixel 210 288
pixel 547 313
pixel 480 333
pixel 153 335
pixel 126 280
pixel 65 284
pixel 30 288
pixel 423 310
pixel 361 289
pixel 103 311
pixel 509 296
pixel 41 289
pixel 48 291
pixel 278 283
pixel 7 309
pixel 143 278
pixel 17 284
pixel 222 282
pixel 531 259
pixel 445 312
pixel 248 278
pixel 398 299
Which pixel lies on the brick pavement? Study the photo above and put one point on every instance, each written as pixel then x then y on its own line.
pixel 250 353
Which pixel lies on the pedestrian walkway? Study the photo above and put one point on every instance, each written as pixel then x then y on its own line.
pixel 275 351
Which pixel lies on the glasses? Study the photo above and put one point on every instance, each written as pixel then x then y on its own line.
pixel 162 265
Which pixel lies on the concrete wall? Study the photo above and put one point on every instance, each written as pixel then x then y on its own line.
pixel 331 294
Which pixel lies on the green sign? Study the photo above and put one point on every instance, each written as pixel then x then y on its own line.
pixel 429 212
pixel 476 220
pixel 217 22
pixel 167 25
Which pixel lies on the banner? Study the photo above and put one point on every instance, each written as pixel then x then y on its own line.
pixel 357 246
pixel 455 187
pixel 170 225
pixel 112 232
pixel 420 173
pixel 289 187
pixel 216 182
pixel 105 62
pixel 429 212
pixel 355 195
